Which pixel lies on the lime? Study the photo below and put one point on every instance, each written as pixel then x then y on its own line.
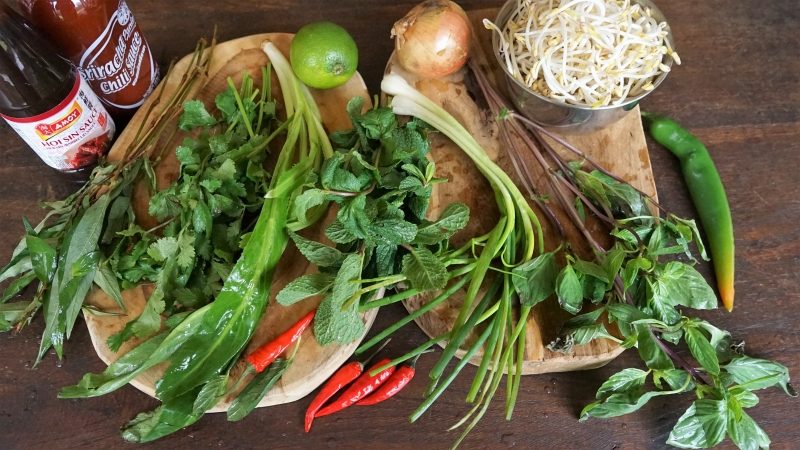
pixel 323 55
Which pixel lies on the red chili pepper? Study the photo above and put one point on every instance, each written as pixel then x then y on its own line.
pixel 362 387
pixel 344 376
pixel 341 378
pixel 265 355
pixel 393 385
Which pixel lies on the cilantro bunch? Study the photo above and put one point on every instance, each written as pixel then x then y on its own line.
pixel 204 216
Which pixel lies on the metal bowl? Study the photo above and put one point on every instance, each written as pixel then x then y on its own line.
pixel 564 117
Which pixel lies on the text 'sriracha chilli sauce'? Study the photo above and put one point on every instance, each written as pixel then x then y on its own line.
pixel 102 38
pixel 46 101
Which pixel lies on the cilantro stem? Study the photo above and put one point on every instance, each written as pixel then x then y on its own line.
pixel 242 111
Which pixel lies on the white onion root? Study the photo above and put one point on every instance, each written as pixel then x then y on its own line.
pixel 584 52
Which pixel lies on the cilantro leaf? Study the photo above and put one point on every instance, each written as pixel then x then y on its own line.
pixel 164 248
pixel 195 115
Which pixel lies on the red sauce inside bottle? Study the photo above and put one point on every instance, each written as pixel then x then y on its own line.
pixel 102 38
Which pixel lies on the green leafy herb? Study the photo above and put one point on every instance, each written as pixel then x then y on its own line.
pixel 251 395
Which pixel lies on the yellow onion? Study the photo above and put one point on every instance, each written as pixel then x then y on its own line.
pixel 433 39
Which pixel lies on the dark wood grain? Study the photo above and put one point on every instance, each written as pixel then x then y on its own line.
pixel 738 90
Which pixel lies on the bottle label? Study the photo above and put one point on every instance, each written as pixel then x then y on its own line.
pixel 71 135
pixel 116 60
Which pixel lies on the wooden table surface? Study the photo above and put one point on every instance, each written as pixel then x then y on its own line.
pixel 738 90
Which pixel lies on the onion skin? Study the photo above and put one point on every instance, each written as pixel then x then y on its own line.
pixel 433 39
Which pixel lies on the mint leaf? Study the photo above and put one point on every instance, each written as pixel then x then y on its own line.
pixel 309 199
pixel 332 325
pixel 393 231
pixel 195 115
pixel 454 218
pixel 702 350
pixel 569 290
pixel 534 280
pixel 308 285
pixel 753 374
pixel 209 394
pixel 317 253
pixel 703 425
pixel 337 233
pixel 385 259
pixel 424 270
pixel 347 281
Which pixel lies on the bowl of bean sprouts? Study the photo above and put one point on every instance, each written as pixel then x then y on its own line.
pixel 577 66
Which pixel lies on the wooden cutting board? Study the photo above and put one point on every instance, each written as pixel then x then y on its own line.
pixel 313 364
pixel 621 148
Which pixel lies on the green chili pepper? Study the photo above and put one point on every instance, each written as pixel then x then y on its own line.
pixel 708 195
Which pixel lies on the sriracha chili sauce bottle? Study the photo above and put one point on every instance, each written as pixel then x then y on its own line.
pixel 46 101
pixel 102 38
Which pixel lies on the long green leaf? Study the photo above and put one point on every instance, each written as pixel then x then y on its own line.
pixel 166 419
pixel 252 394
pixel 231 319
pixel 61 311
pixel 146 355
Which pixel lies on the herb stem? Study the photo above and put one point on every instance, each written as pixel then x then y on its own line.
pixel 405 320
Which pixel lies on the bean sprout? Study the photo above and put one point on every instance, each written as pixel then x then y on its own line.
pixel 584 52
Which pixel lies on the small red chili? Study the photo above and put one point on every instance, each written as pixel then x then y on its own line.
pixel 344 376
pixel 362 387
pixel 265 355
pixel 393 385
pixel 341 378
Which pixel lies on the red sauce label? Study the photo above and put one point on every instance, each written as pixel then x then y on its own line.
pixel 73 134
pixel 119 64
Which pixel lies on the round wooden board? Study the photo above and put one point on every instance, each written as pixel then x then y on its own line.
pixel 620 148
pixel 312 364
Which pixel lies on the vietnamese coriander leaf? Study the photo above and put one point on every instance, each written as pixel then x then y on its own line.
pixel 251 395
